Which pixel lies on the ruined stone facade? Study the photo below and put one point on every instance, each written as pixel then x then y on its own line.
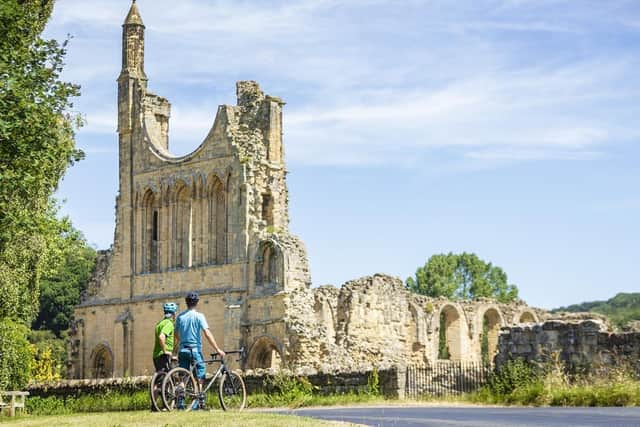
pixel 216 221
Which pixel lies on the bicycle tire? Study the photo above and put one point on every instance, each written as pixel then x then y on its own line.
pixel 155 391
pixel 232 392
pixel 179 390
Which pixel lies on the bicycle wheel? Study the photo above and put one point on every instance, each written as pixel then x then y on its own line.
pixel 155 391
pixel 179 390
pixel 232 392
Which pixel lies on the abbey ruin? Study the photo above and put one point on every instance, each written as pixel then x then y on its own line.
pixel 216 221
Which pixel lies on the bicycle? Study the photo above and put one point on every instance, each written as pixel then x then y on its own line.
pixel 181 390
pixel 155 388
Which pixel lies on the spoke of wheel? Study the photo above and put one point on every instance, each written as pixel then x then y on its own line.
pixel 232 392
pixel 179 389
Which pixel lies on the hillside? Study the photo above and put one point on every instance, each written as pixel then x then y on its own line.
pixel 621 309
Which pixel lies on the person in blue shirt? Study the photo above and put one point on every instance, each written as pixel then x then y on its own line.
pixel 189 328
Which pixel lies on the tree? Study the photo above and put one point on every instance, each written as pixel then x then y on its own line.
pixel 61 289
pixel 36 147
pixel 16 355
pixel 463 276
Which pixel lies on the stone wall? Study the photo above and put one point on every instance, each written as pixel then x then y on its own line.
pixel 580 344
pixel 391 383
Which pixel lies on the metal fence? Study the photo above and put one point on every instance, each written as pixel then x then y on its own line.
pixel 444 378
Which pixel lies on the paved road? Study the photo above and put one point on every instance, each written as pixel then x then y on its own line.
pixel 423 416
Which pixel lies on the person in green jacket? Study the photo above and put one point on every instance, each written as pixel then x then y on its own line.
pixel 163 347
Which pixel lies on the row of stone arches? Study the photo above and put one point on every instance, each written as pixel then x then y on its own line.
pixel 454 340
pixel 182 225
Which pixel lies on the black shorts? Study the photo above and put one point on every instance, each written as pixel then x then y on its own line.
pixel 162 363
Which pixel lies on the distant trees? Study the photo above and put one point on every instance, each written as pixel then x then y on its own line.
pixel 621 309
pixel 36 147
pixel 462 276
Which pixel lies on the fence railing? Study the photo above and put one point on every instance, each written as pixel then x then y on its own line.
pixel 444 378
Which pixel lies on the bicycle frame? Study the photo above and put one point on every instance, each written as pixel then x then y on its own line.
pixel 221 369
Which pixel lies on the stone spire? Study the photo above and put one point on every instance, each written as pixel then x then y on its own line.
pixel 133 44
pixel 133 17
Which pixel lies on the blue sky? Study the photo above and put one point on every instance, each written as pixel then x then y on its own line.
pixel 508 128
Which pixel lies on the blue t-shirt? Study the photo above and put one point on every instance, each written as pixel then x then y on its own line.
pixel 189 326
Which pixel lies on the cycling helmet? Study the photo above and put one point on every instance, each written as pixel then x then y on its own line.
pixel 170 307
pixel 192 296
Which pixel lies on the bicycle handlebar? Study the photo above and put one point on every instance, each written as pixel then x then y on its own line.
pixel 226 353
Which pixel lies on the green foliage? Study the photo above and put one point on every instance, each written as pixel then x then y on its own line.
pixel 36 147
pixel 462 276
pixel 484 341
pixel 16 355
pixel 621 309
pixel 103 402
pixel 373 383
pixel 443 347
pixel 548 385
pixel 60 290
pixel 50 356
pixel 297 391
pixel 290 392
pixel 514 374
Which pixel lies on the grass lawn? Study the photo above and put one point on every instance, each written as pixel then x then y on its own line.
pixel 145 418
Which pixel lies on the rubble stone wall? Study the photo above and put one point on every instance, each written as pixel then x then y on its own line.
pixel 579 344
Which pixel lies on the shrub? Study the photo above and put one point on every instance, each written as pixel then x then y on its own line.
pixel 373 383
pixel 513 375
pixel 16 355
pixel 290 390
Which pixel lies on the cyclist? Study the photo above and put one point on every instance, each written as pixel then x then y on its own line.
pixel 163 347
pixel 190 325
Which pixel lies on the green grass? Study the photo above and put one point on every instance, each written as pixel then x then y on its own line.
pixel 140 418
pixel 517 384
pixel 110 402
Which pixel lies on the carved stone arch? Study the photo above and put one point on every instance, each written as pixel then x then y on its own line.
pixel 270 267
pixel 150 229
pixel 525 316
pixel 451 332
pixel 490 321
pixel 265 353
pixel 219 175
pixel 216 219
pixel 102 362
pixel 182 217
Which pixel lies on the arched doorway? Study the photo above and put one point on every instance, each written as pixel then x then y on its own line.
pixel 264 354
pixel 527 317
pixel 102 362
pixel 450 338
pixel 491 324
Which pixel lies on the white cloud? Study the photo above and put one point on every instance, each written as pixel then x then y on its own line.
pixel 370 84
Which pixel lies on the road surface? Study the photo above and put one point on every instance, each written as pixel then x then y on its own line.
pixel 427 416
